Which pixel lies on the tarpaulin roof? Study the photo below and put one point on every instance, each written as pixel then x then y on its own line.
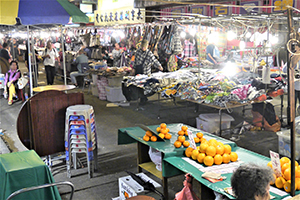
pixel 32 12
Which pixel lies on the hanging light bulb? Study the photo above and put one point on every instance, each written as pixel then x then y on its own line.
pixel 231 35
pixel 248 35
pixel 182 34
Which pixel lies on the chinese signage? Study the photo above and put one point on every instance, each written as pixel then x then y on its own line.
pixel 201 10
pixel 127 15
pixel 282 5
pixel 249 7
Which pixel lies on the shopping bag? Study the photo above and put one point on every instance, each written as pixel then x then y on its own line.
pixel 22 82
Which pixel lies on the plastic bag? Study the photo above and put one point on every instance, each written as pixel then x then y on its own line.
pixel 155 157
pixel 187 192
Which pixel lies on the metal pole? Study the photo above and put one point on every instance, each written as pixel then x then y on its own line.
pixel 29 62
pixel 291 105
pixel 34 63
pixel 63 54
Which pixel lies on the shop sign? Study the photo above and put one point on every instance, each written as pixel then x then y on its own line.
pixel 221 10
pixel 201 10
pixel 282 5
pixel 249 9
pixel 177 11
pixel 127 15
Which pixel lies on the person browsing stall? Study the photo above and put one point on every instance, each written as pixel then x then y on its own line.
pixel 212 53
pixel 252 182
pixel 4 53
pixel 10 82
pixel 117 54
pixel 144 60
pixel 81 62
pixel 50 55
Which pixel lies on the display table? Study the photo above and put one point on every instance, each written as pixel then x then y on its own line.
pixel 53 87
pixel 25 169
pixel 135 134
pixel 172 158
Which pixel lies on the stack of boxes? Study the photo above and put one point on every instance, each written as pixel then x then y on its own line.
pixel 80 137
pixel 114 89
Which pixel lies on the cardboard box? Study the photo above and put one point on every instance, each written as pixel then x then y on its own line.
pixel 210 122
pixel 114 94
pixel 94 90
pixel 128 187
pixel 284 144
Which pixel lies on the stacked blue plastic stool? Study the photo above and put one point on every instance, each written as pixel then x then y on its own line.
pixel 81 137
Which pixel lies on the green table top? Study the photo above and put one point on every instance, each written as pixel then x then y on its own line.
pixel 174 156
pixel 25 169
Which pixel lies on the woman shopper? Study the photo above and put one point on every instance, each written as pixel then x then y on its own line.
pixel 252 182
pixel 50 55
pixel 11 79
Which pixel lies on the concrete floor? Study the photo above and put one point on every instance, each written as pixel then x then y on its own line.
pixel 114 159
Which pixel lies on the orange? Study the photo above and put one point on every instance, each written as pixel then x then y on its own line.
pixel 203 147
pixel 186 144
pixel 213 142
pixel 287 174
pixel 285 166
pixel 195 154
pixel 146 138
pixel 161 135
pixel 296 163
pixel 297 172
pixel 163 131
pixel 220 149
pixel 149 133
pixel 153 138
pixel 287 186
pixel 158 129
pixel 272 182
pixel 284 160
pixel 197 140
pixel 270 164
pixel 181 138
pixel 297 180
pixel 208 161
pixel 184 128
pixel 200 157
pixel 188 151
pixel 168 130
pixel 233 156
pixel 186 133
pixel 220 143
pixel 163 125
pixel 279 182
pixel 218 159
pixel 211 151
pixel 180 132
pixel 227 148
pixel 226 158
pixel 199 135
pixel 168 136
pixel 177 144
pixel 202 140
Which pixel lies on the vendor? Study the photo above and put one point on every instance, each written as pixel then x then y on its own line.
pixel 81 61
pixel 144 60
pixel 117 55
pixel 212 53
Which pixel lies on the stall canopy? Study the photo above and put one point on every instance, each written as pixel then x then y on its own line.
pixel 33 12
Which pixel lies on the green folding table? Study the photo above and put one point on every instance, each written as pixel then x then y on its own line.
pixel 25 169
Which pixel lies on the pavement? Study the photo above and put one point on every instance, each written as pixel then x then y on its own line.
pixel 114 159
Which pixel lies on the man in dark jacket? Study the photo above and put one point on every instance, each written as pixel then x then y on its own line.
pixel 4 53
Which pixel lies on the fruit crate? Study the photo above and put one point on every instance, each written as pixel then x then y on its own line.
pixel 284 144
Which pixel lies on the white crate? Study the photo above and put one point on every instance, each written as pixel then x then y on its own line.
pixel 94 90
pixel 115 81
pixel 2 76
pixel 210 122
pixel 284 144
pixel 114 94
pixel 128 187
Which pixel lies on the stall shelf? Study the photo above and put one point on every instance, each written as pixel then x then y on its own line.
pixel 172 158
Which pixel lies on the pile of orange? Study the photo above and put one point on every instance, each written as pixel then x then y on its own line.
pixel 149 137
pixel 212 152
pixel 284 180
pixel 181 141
pixel 163 131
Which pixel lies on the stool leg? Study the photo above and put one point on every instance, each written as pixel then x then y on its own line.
pixel 74 160
pixel 95 155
